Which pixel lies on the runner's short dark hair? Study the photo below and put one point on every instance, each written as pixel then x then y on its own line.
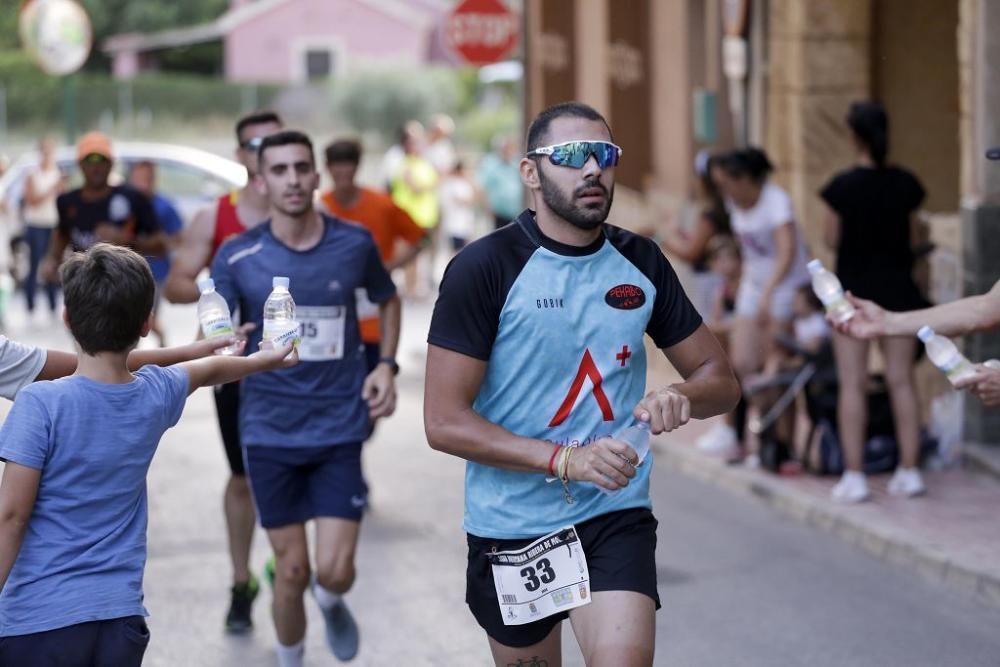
pixel 109 293
pixel 255 118
pixel 343 150
pixel 285 138
pixel 540 126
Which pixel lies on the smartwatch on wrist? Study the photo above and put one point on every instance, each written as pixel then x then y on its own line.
pixel 389 361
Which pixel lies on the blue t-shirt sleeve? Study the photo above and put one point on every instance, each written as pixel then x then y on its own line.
pixel 378 282
pixel 168 217
pixel 169 387
pixel 24 438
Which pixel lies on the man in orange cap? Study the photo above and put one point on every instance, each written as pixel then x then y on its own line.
pixel 101 212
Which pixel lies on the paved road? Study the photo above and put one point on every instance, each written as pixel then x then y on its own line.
pixel 741 585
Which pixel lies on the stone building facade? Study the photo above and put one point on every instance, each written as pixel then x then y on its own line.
pixel 935 64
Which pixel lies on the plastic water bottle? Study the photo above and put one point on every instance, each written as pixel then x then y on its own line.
pixel 213 314
pixel 280 325
pixel 943 354
pixel 635 436
pixel 827 287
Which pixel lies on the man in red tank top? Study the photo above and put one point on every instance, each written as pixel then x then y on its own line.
pixel 211 227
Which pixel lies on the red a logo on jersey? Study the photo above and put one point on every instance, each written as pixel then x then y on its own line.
pixel 588 369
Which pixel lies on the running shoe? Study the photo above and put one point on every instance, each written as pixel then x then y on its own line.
pixel 239 619
pixel 342 633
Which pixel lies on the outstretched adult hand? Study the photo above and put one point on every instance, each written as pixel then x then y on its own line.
pixel 984 385
pixel 869 320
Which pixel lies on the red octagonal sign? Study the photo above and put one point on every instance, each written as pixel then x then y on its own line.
pixel 481 31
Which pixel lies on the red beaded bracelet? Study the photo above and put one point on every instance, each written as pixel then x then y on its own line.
pixel 552 459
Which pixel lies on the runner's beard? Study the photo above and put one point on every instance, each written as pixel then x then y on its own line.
pixel 582 217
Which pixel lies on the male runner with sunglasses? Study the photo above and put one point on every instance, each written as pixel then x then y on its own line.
pixel 232 214
pixel 536 357
pixel 101 212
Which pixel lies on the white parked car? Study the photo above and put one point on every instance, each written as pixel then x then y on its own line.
pixel 189 177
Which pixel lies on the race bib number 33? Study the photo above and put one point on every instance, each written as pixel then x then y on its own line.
pixel 546 577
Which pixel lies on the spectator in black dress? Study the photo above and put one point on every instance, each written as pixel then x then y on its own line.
pixel 870 210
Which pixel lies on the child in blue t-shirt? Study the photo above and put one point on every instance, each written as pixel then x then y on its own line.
pixel 73 497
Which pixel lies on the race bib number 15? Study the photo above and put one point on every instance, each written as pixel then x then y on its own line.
pixel 322 331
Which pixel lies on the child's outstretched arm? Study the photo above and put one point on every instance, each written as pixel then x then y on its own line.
pixel 60 364
pixel 168 356
pixel 224 369
pixel 17 500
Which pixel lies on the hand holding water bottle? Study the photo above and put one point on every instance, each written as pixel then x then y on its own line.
pixel 609 464
pixel 636 437
pixel 984 384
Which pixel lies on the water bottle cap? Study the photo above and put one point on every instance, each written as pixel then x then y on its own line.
pixel 814 266
pixel 206 285
pixel 925 333
pixel 280 281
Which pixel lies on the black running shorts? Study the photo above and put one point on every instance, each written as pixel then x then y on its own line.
pixel 227 405
pixel 621 556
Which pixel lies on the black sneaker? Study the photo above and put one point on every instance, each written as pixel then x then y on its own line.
pixel 239 620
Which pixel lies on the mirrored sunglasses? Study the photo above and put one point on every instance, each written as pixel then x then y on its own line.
pixel 576 153
pixel 252 144
pixel 94 158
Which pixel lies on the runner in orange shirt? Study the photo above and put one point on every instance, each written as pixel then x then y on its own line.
pixel 388 224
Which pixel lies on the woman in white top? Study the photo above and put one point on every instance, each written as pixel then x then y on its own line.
pixel 774 261
pixel 41 188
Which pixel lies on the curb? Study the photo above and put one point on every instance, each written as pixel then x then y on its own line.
pixel 884 543
pixel 982 458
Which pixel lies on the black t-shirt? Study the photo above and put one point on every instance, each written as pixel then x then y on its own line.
pixel 123 206
pixel 874 258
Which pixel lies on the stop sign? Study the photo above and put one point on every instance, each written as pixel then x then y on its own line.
pixel 481 31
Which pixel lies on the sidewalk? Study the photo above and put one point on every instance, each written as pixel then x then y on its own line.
pixel 951 535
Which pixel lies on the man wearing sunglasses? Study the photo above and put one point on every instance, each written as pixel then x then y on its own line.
pixel 536 364
pixel 232 214
pixel 101 212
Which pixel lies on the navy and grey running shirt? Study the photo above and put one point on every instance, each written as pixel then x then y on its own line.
pixel 318 402
pixel 561 328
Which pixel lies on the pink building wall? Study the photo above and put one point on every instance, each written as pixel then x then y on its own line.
pixel 268 47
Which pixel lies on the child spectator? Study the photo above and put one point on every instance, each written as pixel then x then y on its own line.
pixel 724 261
pixel 811 334
pixel 73 496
